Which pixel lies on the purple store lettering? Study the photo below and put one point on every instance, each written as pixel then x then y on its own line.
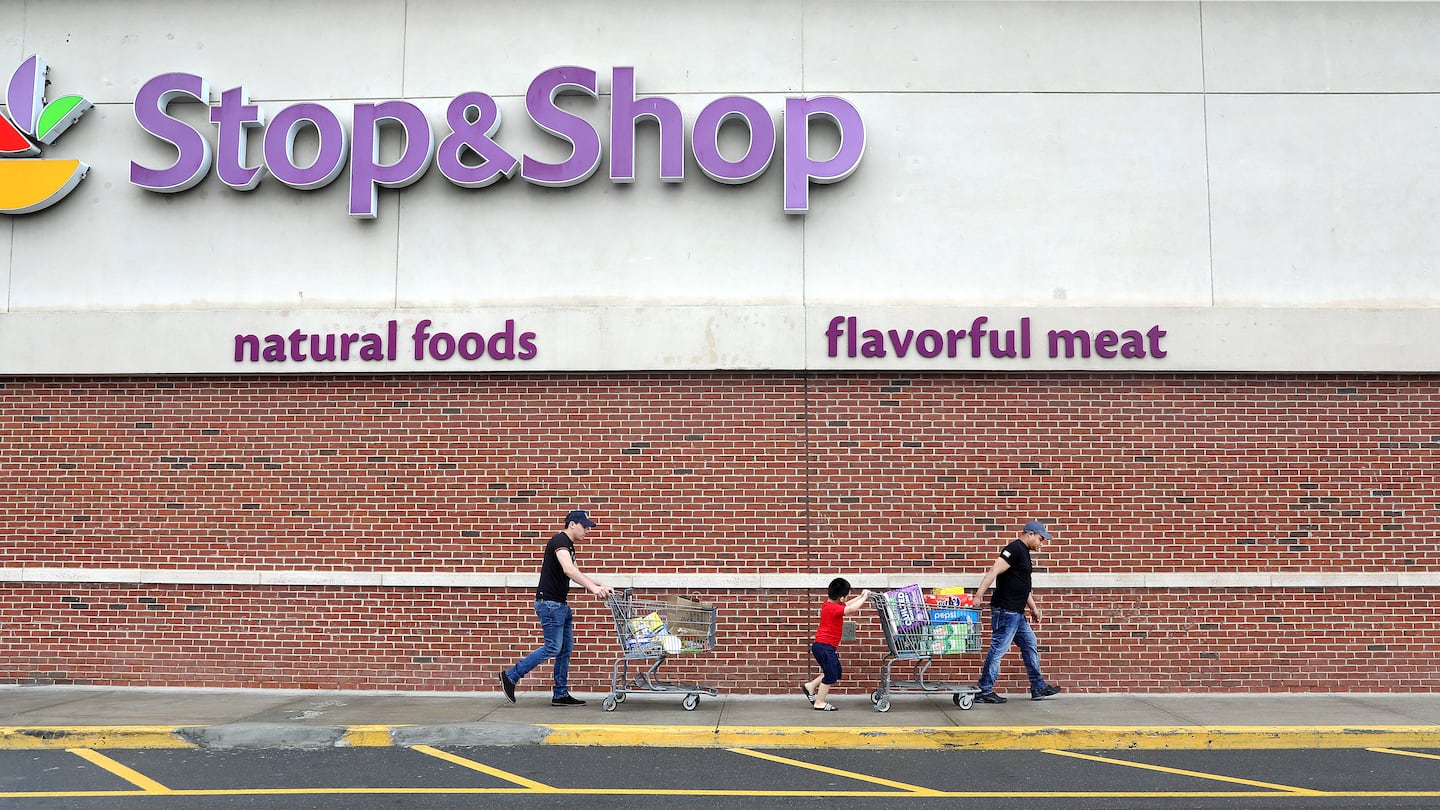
pixel 472 120
pixel 982 338
pixel 429 343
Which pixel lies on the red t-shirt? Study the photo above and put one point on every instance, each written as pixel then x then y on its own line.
pixel 832 621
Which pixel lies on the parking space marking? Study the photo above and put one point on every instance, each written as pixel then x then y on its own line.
pixel 923 791
pixel 514 779
pixel 1197 774
pixel 1398 752
pixel 125 772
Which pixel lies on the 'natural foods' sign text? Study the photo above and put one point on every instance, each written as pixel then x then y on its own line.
pixel 467 152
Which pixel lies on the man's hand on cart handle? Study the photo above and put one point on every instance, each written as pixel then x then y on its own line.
pixel 599 590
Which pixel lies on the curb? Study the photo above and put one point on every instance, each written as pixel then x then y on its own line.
pixel 30 738
pixel 290 736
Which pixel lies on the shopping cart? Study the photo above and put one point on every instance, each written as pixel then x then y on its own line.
pixel 915 634
pixel 652 630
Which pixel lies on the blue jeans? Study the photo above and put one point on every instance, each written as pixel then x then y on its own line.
pixel 1008 627
pixel 557 622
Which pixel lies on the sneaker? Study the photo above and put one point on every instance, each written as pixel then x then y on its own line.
pixel 566 700
pixel 508 686
pixel 1044 692
pixel 988 697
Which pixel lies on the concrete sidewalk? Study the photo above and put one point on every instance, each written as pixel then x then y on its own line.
pixel 97 717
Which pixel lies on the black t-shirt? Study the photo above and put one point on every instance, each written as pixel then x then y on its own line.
pixel 554 584
pixel 1012 588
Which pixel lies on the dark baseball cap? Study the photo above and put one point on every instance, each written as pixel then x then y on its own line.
pixel 582 517
pixel 1033 527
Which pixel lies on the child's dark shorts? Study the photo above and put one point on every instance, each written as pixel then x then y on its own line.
pixel 829 662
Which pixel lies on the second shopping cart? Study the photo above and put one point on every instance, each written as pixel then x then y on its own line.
pixel 651 631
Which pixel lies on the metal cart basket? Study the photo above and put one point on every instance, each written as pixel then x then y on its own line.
pixel 915 634
pixel 652 630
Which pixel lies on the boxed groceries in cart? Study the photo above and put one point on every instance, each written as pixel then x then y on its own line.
pixel 908 608
pixel 648 629
pixel 691 620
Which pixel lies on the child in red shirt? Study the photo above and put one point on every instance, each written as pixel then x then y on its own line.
pixel 827 638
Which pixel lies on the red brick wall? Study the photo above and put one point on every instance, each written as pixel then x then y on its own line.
pixel 848 474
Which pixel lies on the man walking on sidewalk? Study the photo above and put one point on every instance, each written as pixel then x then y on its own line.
pixel 1011 576
pixel 557 622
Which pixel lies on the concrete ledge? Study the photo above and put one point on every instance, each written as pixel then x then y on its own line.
pixel 750 582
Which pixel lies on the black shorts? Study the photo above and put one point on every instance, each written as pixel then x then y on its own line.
pixel 829 662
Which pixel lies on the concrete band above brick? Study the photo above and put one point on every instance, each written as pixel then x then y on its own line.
pixel 745 582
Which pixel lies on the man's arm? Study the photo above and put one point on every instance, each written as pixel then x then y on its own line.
pixel 1001 566
pixel 567 564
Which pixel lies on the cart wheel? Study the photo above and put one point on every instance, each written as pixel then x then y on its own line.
pixel 875 697
pixel 964 701
pixel 690 702
pixel 609 704
pixel 619 697
pixel 882 705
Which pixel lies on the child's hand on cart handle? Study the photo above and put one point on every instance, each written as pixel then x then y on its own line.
pixel 854 603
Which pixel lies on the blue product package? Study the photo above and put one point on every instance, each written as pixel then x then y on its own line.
pixel 953 615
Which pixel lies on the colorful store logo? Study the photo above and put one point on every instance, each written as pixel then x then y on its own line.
pixel 29 184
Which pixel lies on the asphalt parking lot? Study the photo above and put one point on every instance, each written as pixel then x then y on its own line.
pixel 518 776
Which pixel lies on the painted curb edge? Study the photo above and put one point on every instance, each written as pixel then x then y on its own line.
pixel 900 737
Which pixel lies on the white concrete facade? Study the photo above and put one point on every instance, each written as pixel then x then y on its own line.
pixel 771 581
pixel 1258 180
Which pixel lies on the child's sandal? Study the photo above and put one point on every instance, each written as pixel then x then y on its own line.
pixel 828 707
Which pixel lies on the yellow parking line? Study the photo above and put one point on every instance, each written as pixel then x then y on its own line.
pixel 1182 772
pixel 512 778
pixel 129 774
pixel 837 772
pixel 1403 753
